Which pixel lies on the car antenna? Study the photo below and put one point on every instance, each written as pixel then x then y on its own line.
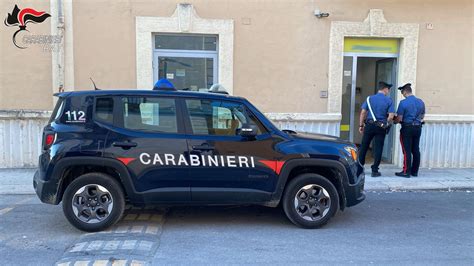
pixel 95 87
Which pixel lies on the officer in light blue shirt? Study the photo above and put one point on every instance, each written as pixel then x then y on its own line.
pixel 410 114
pixel 376 114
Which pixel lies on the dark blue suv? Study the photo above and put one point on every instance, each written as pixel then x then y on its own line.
pixel 102 149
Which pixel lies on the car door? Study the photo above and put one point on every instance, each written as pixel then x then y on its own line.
pixel 148 137
pixel 224 166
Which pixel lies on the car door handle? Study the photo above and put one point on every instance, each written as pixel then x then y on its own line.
pixel 204 147
pixel 124 144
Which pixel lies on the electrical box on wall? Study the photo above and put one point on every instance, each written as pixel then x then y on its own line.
pixel 323 94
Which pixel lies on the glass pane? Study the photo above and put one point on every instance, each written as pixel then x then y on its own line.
pixel 187 73
pixel 210 117
pixel 385 70
pixel 346 98
pixel 150 114
pixel 104 109
pixel 186 42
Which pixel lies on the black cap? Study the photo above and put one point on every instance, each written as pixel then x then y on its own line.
pixel 406 86
pixel 383 84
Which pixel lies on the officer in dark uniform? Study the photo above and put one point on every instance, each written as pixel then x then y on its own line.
pixel 380 106
pixel 410 114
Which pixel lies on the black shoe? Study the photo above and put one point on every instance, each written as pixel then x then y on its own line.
pixel 376 174
pixel 403 174
pixel 414 174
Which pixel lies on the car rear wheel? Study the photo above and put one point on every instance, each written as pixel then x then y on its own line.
pixel 93 202
pixel 310 200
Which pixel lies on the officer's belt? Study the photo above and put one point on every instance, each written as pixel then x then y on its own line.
pixel 413 124
pixel 370 121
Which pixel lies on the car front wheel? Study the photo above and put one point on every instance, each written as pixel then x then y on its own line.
pixel 310 200
pixel 93 202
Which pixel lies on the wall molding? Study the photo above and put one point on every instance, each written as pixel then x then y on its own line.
pixel 184 20
pixel 462 118
pixel 305 116
pixel 375 25
pixel 24 114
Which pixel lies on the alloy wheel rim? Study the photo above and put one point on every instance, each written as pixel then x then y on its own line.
pixel 92 203
pixel 312 202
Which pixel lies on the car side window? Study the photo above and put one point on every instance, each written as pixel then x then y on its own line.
pixel 151 114
pixel 214 117
pixel 104 110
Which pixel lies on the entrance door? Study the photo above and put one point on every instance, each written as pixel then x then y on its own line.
pixel 385 70
pixel 361 74
pixel 348 100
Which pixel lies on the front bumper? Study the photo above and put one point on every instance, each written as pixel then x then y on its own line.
pixel 355 192
pixel 47 190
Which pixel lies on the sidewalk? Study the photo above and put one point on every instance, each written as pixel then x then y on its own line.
pixel 20 181
pixel 427 179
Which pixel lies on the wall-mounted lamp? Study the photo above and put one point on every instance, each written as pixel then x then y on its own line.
pixel 320 14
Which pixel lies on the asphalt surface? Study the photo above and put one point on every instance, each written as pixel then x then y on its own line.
pixel 388 228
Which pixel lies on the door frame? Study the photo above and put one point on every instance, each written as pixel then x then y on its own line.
pixel 355 57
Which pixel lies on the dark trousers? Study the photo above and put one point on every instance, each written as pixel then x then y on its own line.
pixel 410 140
pixel 376 133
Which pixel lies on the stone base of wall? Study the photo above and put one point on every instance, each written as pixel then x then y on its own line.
pixel 447 140
pixel 20 137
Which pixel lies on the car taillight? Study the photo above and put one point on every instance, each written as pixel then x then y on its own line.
pixel 48 140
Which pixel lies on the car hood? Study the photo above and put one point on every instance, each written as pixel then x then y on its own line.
pixel 313 136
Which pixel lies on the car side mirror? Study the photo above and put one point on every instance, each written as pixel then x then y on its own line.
pixel 247 130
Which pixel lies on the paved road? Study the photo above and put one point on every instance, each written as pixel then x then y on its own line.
pixel 388 228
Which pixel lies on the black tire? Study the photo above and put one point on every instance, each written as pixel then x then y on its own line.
pixel 91 179
pixel 295 185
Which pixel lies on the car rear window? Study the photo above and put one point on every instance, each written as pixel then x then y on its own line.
pixel 57 110
pixel 75 109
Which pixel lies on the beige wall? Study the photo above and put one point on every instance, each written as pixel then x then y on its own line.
pixel 280 59
pixel 25 74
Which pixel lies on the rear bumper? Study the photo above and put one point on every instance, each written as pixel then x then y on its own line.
pixel 47 191
pixel 355 192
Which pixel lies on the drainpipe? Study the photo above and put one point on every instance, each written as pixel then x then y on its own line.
pixel 60 49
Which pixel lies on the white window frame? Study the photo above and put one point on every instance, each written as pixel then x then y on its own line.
pixel 157 53
pixel 184 20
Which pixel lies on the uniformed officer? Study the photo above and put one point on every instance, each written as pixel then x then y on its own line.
pixel 376 114
pixel 410 114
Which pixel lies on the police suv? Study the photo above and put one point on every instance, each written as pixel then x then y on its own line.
pixel 103 149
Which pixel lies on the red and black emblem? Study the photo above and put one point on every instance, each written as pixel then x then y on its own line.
pixel 21 17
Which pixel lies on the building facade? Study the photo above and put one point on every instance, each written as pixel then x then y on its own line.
pixel 307 64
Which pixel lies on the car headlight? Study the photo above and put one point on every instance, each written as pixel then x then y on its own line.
pixel 352 152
